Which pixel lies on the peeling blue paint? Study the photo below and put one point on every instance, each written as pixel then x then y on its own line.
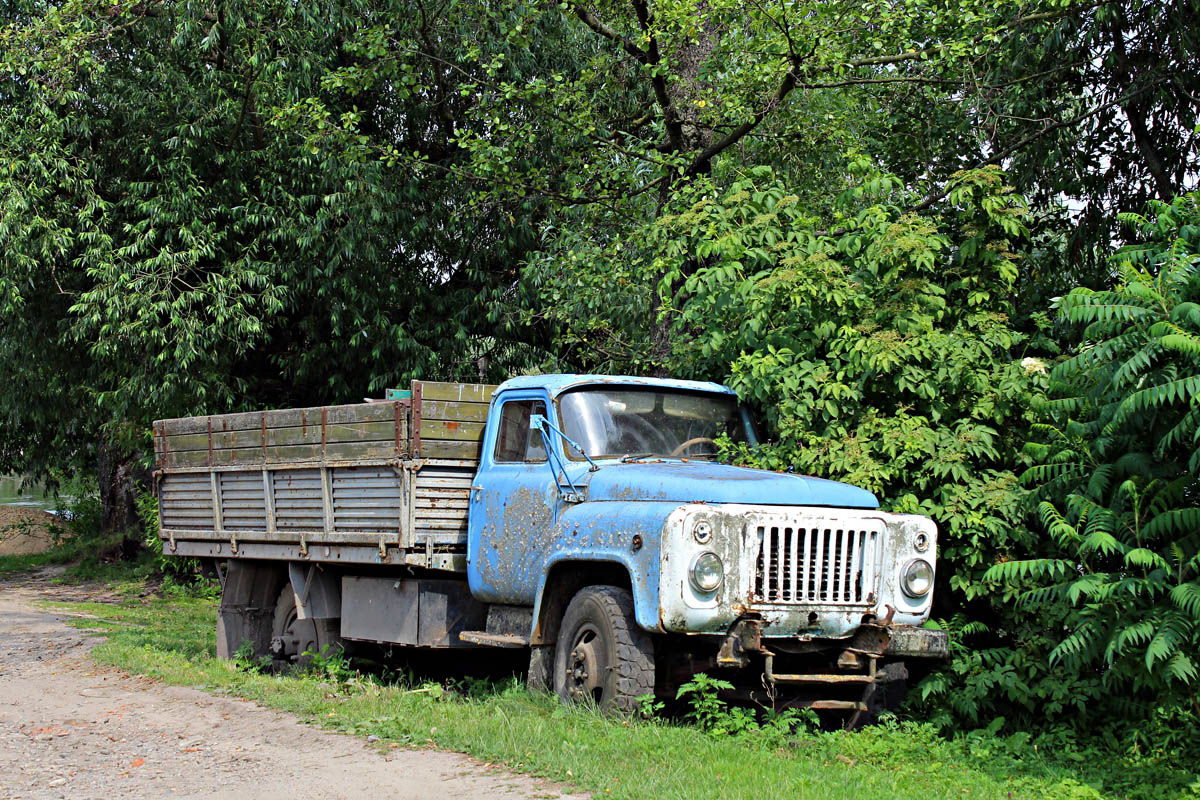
pixel 558 383
pixel 705 482
pixel 527 517
pixel 604 532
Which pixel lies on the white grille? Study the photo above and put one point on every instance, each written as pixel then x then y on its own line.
pixel 817 562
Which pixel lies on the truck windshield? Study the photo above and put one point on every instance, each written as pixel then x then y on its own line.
pixel 648 422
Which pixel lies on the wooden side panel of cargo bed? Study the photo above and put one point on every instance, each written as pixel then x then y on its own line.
pixel 385 474
pixel 442 495
pixel 448 419
pixel 326 505
pixel 295 435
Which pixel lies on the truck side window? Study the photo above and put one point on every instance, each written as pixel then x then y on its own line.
pixel 515 442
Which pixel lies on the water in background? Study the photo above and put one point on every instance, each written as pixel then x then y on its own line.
pixel 34 496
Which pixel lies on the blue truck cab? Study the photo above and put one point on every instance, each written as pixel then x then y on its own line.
pixel 697 564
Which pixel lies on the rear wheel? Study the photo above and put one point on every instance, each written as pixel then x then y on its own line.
pixel 602 655
pixel 292 638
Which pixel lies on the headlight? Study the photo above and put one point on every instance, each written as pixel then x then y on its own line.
pixel 707 572
pixel 917 579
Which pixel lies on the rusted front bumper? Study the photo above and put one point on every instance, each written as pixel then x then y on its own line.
pixel 854 674
pixel 869 642
pixel 908 642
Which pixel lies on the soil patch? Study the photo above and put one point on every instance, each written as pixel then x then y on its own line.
pixel 24 531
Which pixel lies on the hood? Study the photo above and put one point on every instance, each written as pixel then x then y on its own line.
pixel 705 482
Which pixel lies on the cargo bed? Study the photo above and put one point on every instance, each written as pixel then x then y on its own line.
pixel 377 482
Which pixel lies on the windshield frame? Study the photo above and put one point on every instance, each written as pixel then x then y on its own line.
pixel 743 412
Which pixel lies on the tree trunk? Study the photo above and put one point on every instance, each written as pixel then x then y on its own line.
pixel 122 478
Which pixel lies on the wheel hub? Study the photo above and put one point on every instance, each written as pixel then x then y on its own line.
pixel 585 667
pixel 292 635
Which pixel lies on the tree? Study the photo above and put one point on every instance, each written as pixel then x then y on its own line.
pixel 641 99
pixel 171 247
pixel 1095 104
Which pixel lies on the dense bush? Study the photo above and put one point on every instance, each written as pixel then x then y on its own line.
pixel 1095 622
pixel 881 353
pixel 1118 473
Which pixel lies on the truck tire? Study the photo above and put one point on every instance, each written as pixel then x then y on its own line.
pixel 292 637
pixel 602 656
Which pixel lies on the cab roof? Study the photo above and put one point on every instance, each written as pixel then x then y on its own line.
pixel 558 383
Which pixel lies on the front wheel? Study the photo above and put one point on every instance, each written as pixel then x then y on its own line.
pixel 601 654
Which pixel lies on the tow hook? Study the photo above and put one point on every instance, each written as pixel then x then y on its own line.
pixel 744 637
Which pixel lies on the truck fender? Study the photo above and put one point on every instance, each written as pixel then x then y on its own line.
pixel 565 575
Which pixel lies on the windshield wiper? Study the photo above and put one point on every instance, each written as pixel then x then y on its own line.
pixel 539 422
pixel 625 459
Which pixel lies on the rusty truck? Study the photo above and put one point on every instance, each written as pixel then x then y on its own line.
pixel 586 518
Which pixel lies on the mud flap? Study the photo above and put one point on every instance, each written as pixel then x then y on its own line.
pixel 248 607
pixel 541 664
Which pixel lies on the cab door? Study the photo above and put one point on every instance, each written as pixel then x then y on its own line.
pixel 514 503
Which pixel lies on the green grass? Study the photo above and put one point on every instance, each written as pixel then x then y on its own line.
pixel 87 559
pixel 173 640
pixel 12 565
pixel 75 551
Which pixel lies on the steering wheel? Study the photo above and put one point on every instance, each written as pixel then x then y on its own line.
pixel 684 446
pixel 640 433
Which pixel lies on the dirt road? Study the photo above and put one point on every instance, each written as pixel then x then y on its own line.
pixel 72 729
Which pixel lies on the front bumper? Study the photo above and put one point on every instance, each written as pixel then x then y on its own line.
pixel 871 641
pixel 908 642
pixel 845 675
